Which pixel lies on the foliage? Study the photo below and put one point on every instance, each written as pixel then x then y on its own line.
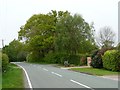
pixel 97 57
pixel 5 62
pixel 96 60
pixel 58 32
pixel 111 60
pixel 71 33
pixel 55 58
pixel 34 57
pixel 38 33
pixel 118 46
pixel 61 57
pixel 22 56
pixel 15 51
pixel 117 57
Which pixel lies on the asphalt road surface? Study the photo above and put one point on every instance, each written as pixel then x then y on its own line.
pixel 48 76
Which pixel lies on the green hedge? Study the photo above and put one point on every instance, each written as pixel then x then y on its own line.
pixel 5 62
pixel 111 60
pixel 61 57
pixel 55 58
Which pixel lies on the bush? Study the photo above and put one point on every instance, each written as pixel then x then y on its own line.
pixel 97 57
pixel 111 60
pixel 96 60
pixel 74 59
pixel 50 58
pixel 59 58
pixel 117 57
pixel 5 62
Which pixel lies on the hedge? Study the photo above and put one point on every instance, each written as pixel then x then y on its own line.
pixel 59 58
pixel 5 62
pixel 111 60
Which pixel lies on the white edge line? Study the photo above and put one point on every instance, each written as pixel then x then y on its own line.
pixel 56 74
pixel 81 84
pixel 45 69
pixel 30 85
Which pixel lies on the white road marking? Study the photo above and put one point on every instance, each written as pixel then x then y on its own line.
pixel 30 85
pixel 81 84
pixel 56 74
pixel 45 69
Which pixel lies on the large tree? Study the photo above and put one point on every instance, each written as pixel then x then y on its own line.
pixel 106 37
pixel 73 33
pixel 39 32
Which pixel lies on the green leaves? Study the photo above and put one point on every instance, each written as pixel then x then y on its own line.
pixel 56 32
pixel 111 60
pixel 72 32
pixel 15 50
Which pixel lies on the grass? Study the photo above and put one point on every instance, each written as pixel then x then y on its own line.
pixel 13 77
pixel 0 80
pixel 94 71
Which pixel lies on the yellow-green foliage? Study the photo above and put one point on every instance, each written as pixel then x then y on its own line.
pixel 111 60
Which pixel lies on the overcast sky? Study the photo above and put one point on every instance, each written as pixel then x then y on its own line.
pixel 14 13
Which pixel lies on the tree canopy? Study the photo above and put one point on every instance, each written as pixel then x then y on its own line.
pixel 57 32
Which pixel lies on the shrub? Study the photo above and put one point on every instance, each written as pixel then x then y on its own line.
pixel 117 57
pixel 74 59
pixel 97 57
pixel 51 58
pixel 61 57
pixel 5 62
pixel 96 60
pixel 111 60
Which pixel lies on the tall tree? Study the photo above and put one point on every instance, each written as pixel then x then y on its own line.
pixel 106 37
pixel 72 32
pixel 39 32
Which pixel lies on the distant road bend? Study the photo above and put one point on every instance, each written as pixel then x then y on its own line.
pixel 48 76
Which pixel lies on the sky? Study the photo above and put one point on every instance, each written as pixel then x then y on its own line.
pixel 15 13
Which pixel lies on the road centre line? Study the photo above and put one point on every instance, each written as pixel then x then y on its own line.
pixel 56 74
pixel 28 79
pixel 45 69
pixel 81 84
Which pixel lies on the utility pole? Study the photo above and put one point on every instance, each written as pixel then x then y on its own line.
pixel 2 43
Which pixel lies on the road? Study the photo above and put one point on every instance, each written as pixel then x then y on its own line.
pixel 48 76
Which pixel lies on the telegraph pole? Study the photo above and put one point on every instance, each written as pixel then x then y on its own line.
pixel 2 43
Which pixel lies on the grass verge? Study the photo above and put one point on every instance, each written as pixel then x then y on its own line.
pixel 13 77
pixel 94 71
pixel 0 80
